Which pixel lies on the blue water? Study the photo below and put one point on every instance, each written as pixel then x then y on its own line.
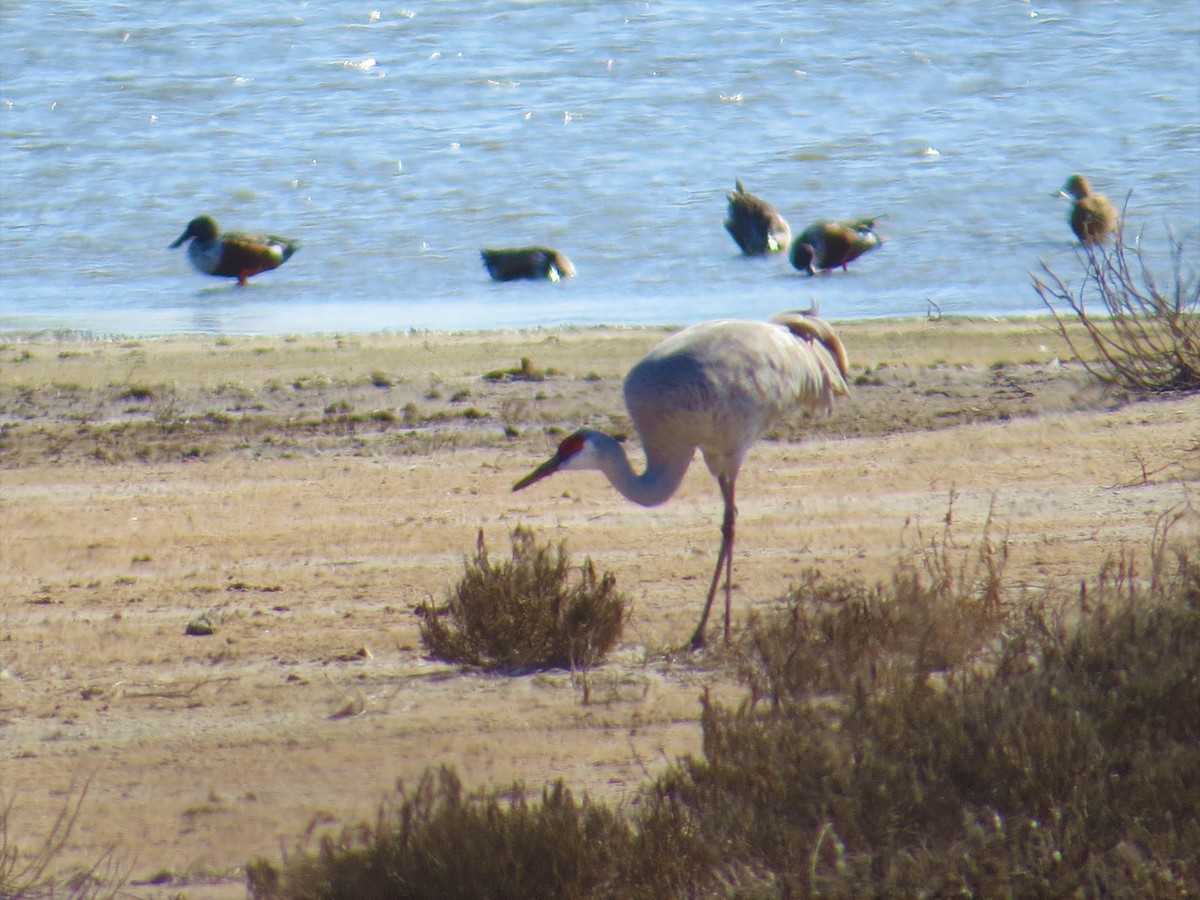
pixel 395 144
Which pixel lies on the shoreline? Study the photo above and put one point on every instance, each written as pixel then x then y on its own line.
pixel 18 333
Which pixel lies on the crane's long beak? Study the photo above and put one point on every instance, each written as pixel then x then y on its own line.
pixel 549 467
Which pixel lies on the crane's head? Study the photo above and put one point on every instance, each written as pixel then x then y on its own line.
pixel 577 451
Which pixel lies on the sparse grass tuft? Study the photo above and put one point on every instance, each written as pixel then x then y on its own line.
pixel 526 371
pixel 138 393
pixel 525 614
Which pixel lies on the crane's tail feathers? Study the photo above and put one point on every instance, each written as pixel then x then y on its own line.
pixel 808 327
pixel 786 318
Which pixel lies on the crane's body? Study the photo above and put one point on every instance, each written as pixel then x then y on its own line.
pixel 716 387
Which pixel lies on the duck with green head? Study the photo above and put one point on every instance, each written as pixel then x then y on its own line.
pixel 233 255
pixel 1093 218
pixel 827 245
pixel 754 224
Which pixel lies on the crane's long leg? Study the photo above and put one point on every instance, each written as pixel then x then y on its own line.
pixel 724 561
pixel 728 588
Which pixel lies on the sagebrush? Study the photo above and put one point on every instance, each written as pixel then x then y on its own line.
pixel 526 613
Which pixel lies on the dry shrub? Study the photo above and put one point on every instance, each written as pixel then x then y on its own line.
pixel 26 873
pixel 1069 765
pixel 1145 337
pixel 938 609
pixel 434 842
pixel 1063 761
pixel 525 614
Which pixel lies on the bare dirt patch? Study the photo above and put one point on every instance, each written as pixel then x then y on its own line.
pixel 303 495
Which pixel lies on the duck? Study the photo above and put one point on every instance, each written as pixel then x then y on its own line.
pixel 233 255
pixel 827 245
pixel 754 224
pixel 1093 217
pixel 527 262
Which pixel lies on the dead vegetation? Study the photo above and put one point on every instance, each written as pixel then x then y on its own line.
pixel 1051 751
pixel 525 614
pixel 1142 333
pixel 936 613
pixel 30 871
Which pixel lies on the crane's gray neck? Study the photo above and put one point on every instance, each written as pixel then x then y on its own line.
pixel 664 471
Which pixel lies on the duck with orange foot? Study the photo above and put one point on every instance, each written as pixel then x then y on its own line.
pixel 233 255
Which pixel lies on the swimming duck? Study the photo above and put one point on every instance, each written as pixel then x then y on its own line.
pixel 755 224
pixel 827 245
pixel 526 262
pixel 233 255
pixel 1093 218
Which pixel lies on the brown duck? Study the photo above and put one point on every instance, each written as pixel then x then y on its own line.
pixel 755 224
pixel 1093 218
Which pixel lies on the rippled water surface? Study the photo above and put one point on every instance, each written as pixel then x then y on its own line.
pixel 394 143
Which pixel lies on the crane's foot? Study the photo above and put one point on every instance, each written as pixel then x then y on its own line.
pixel 697 642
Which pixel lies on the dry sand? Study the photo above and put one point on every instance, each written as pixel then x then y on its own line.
pixel 304 493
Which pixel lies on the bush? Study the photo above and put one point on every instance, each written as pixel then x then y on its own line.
pixel 1146 338
pixel 1048 761
pixel 523 615
pixel 434 842
pixel 938 610
pixel 1067 765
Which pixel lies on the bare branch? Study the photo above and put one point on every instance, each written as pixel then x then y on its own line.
pixel 1143 336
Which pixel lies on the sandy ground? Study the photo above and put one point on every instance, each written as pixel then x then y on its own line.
pixel 304 494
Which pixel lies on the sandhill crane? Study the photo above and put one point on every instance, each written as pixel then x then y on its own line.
pixel 717 386
pixel 754 224
pixel 827 245
pixel 1093 217
pixel 527 262
pixel 233 255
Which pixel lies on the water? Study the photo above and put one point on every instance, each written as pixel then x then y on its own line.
pixel 395 143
